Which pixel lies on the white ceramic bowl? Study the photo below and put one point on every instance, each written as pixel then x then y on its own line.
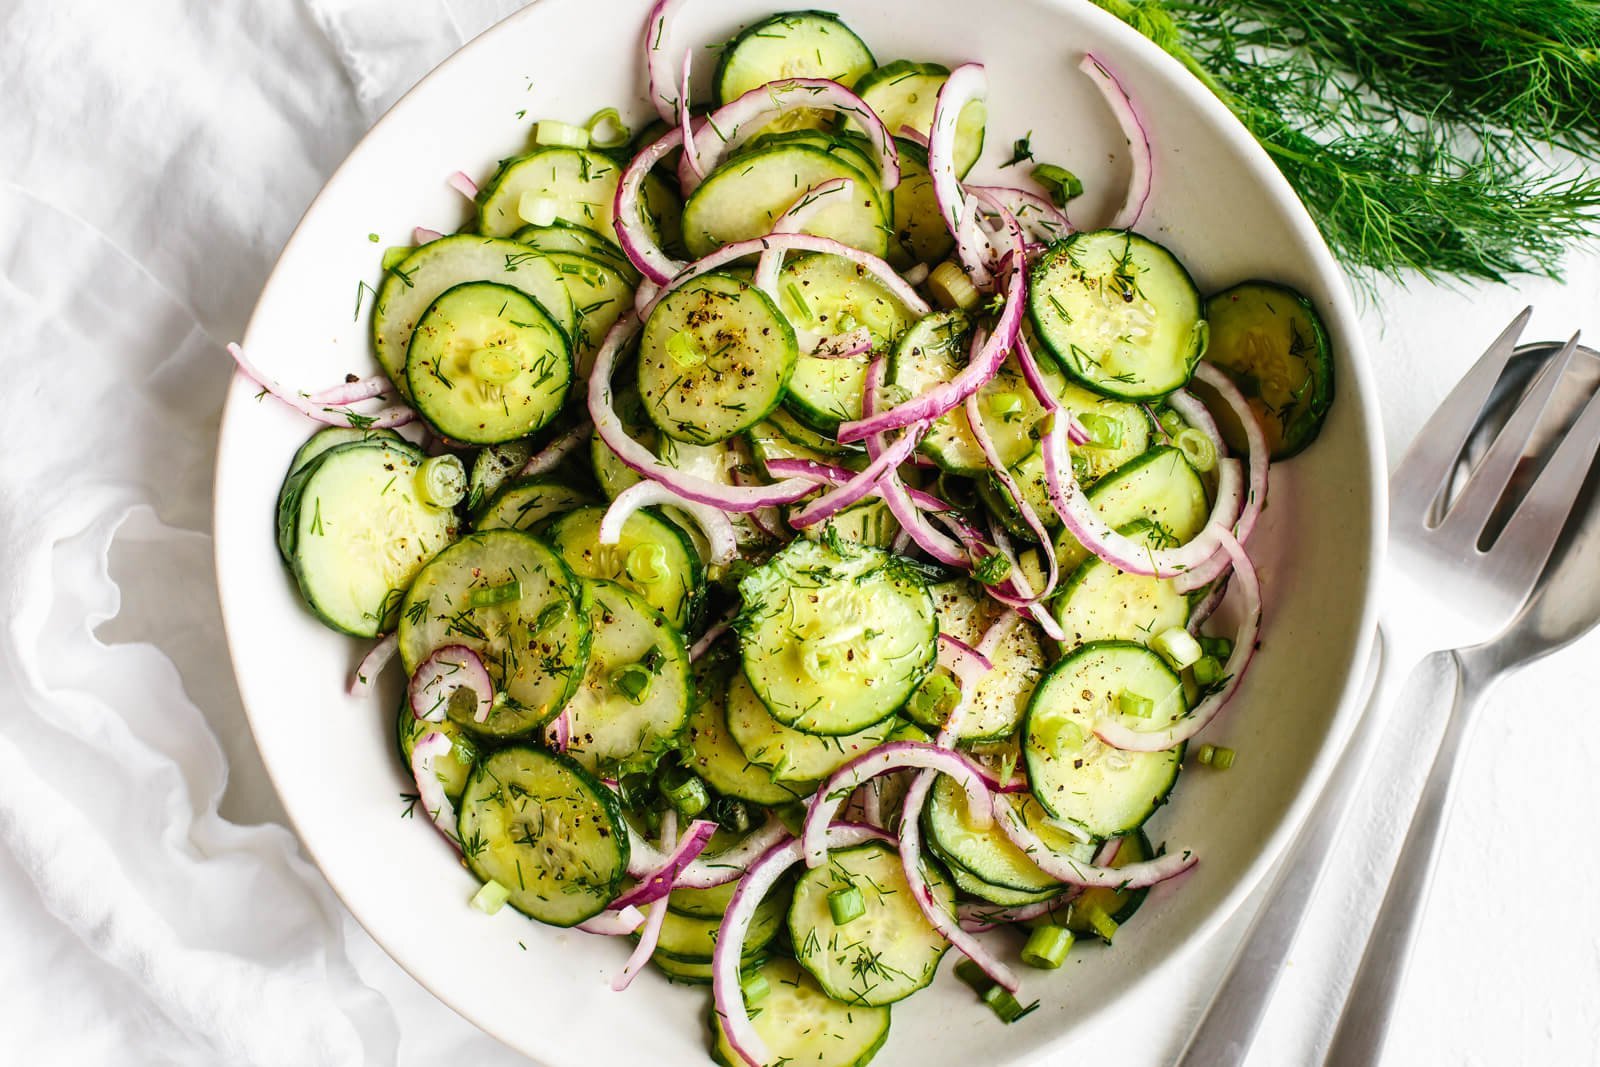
pixel 1218 203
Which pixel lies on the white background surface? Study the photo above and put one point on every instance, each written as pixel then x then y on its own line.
pixel 151 164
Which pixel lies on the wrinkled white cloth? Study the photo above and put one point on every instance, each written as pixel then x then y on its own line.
pixel 153 159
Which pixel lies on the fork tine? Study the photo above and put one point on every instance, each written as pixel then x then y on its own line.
pixel 1519 554
pixel 1481 495
pixel 1426 464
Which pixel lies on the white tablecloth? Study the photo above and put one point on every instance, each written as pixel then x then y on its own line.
pixel 153 158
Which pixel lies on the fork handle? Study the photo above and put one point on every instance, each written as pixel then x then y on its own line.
pixel 1224 1034
pixel 1364 1023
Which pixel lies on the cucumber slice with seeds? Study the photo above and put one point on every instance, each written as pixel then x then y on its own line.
pixel 1101 603
pixel 564 237
pixel 600 293
pixel 487 364
pixel 886 954
pixel 687 938
pixel 714 359
pixel 1119 313
pixel 453 771
pixel 716 758
pixel 794 44
pixel 653 557
pixel 920 234
pixel 802 1025
pixel 988 853
pixel 994 709
pixel 535 644
pixel 579 184
pixel 791 755
pixel 904 93
pixel 1001 896
pixel 1075 775
pixel 1271 341
pixel 541 826
pixel 525 504
pixel 1161 487
pixel 835 637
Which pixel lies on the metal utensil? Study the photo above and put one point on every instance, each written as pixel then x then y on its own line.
pixel 1565 605
pixel 1469 590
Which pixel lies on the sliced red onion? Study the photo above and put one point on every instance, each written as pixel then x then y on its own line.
pixel 560 733
pixel 794 219
pixel 716 524
pixel 1259 459
pixel 373 663
pixel 1208 604
pixel 422 235
pixel 651 934
pixel 354 392
pixel 1076 433
pixel 642 461
pixel 997 467
pixel 655 58
pixel 447 669
pixel 735 122
pixel 549 457
pixel 892 756
pixel 397 415
pixel 902 504
pixel 962 660
pixel 1039 217
pixel 1115 731
pixel 917 275
pixel 691 153
pixel 614 923
pixel 973 246
pixel 660 882
pixel 633 235
pixel 1142 166
pixel 726 993
pixel 979 917
pixel 872 804
pixel 965 84
pixel 430 791
pixel 712 636
pixel 1064 868
pixel 860 485
pixel 706 872
pixel 1197 415
pixel 912 134
pixel 464 185
pixel 997 632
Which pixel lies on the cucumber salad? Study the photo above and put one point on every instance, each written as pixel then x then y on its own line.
pixel 797 551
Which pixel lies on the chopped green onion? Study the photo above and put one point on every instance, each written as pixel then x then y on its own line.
pixel 1047 947
pixel 755 987
pixel 798 299
pixel 846 905
pixel 1206 755
pixel 733 815
pixel 1220 647
pixel 1222 758
pixel 373 238
pixel 536 210
pixel 441 481
pixel 1080 467
pixel 560 134
pixel 973 975
pixel 936 698
pixel 495 594
pixel 394 254
pixel 1005 405
pixel 552 616
pixel 646 563
pixel 992 569
pixel 1104 926
pixel 1172 422
pixel 496 364
pixel 1207 671
pixel 490 897
pixel 610 116
pixel 1104 430
pixel 1177 646
pixel 1200 449
pixel 951 287
pixel 682 349
pixel 1006 1006
pixel 689 797
pixel 1065 737
pixel 1059 182
pixel 1131 703
pixel 844 322
pixel 633 682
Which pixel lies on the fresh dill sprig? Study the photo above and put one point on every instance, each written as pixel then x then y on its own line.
pixel 1399 176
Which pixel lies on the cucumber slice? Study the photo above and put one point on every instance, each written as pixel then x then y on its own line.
pixel 600 294
pixel 527 502
pixel 1120 904
pixel 580 185
pixel 653 557
pixel 803 1026
pixel 1118 312
pixel 852 148
pixel 453 772
pixel 633 702
pixel 318 443
pixel 541 826
pixel 744 197
pixel 709 903
pixel 794 439
pixel 974 886
pixel 920 235
pixel 1101 603
pixel 689 939
pixel 988 853
pixel 356 532
pixel 1160 486
pixel 610 473
pixel 1093 462
pixel 697 972
pixel 1075 776
pixel 867 523
pixel 535 647
pixel 714 359
pixel 835 637
pixel 486 364
pixel 715 757
pixel 563 237
pixel 791 755
pixel 1271 341
pixel 795 44
pixel 411 286
pixel 491 467
pixel 995 707
pixel 720 463
pixel 828 296
pixel 904 94
pixel 885 954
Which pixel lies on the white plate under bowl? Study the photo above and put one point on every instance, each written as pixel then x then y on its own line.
pixel 1218 203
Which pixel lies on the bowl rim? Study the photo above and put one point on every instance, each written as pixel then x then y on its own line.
pixel 1357 385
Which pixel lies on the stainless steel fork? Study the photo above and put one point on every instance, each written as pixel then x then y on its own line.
pixel 1447 584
